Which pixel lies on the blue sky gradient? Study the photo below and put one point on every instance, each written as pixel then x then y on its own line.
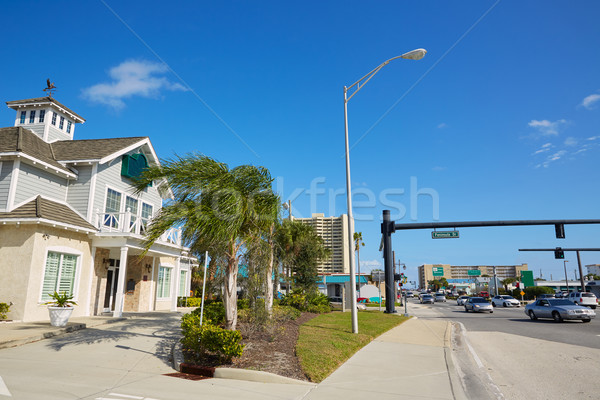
pixel 499 121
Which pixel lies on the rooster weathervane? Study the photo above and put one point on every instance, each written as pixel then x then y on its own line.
pixel 50 89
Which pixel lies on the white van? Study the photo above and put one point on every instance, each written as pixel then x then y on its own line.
pixel 586 299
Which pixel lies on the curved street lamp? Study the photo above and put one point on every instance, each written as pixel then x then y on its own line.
pixel 411 55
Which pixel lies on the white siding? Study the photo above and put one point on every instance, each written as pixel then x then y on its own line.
pixel 38 129
pixel 34 181
pixel 5 174
pixel 55 134
pixel 79 190
pixel 109 175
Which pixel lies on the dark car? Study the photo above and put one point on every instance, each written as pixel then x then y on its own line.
pixel 558 309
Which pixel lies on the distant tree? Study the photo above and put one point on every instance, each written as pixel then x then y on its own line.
pixel 508 281
pixel 358 242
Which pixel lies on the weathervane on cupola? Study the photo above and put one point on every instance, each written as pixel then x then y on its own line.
pixel 51 88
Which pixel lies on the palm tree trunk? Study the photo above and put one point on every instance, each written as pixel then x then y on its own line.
pixel 230 295
pixel 269 281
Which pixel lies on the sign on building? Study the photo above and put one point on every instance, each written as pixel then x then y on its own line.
pixel 438 271
pixel 473 272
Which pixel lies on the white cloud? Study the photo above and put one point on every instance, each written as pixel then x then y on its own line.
pixel 553 157
pixel 593 138
pixel 131 78
pixel 590 101
pixel 545 147
pixel 571 141
pixel 546 127
pixel 442 125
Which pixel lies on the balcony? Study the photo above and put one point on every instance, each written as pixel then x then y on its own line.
pixel 127 222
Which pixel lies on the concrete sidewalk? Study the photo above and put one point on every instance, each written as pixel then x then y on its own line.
pixel 412 360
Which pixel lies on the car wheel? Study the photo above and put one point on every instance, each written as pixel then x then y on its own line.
pixel 491 311
pixel 593 307
pixel 532 315
pixel 557 316
pixel 585 320
pixel 504 304
pixel 466 309
pixel 493 304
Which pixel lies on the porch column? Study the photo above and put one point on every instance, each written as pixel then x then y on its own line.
pixel 88 310
pixel 121 283
pixel 175 284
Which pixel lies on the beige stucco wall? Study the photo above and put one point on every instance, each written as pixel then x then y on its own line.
pixel 23 253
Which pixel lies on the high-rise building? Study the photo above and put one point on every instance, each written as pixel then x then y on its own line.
pixel 334 232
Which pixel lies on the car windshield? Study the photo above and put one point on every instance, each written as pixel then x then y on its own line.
pixel 427 296
pixel 560 302
pixel 478 300
pixel 507 297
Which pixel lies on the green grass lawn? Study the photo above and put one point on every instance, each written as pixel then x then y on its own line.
pixel 326 341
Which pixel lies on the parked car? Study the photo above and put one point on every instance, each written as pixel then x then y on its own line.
pixel 558 309
pixel 461 300
pixel 427 299
pixel 478 304
pixel 584 299
pixel 505 301
pixel 440 297
pixel 547 296
pixel 484 294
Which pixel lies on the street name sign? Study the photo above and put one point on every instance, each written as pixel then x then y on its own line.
pixel 444 235
pixel 438 271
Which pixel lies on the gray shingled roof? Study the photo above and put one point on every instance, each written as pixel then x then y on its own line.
pixel 19 139
pixel 50 210
pixel 93 149
pixel 46 99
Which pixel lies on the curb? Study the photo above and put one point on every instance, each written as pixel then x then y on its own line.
pixel 455 381
pixel 229 373
pixel 73 327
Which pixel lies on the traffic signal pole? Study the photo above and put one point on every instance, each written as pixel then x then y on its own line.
pixel 387 228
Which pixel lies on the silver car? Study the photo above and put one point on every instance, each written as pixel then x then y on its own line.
pixel 427 298
pixel 559 310
pixel 462 300
pixel 478 304
pixel 440 297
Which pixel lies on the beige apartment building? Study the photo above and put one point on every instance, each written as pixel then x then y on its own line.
pixel 334 232
pixel 428 272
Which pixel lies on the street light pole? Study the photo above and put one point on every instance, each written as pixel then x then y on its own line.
pixel 411 55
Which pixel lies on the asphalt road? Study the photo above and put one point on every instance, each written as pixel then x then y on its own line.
pixel 514 321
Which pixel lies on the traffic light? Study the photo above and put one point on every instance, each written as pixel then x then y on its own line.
pixel 560 231
pixel 518 284
pixel 559 254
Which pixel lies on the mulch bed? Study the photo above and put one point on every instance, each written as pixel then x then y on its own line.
pixel 273 352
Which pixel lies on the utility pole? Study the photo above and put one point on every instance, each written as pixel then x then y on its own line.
pixel 495 282
pixel 580 273
pixel 566 277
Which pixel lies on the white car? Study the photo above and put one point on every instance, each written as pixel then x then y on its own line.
pixel 505 301
pixel 585 299
pixel 461 300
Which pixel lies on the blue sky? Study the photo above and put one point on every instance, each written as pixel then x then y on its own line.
pixel 499 121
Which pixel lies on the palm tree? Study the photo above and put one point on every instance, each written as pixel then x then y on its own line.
pixel 358 241
pixel 216 207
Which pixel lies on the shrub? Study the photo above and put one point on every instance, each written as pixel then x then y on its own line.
pixel 214 313
pixel 318 309
pixel 4 308
pixel 189 301
pixel 209 339
pixel 312 302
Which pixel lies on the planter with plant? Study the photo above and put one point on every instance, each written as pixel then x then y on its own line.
pixel 60 308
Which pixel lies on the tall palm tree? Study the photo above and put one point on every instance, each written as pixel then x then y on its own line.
pixel 358 241
pixel 216 207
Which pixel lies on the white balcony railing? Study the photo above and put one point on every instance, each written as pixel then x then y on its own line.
pixel 130 223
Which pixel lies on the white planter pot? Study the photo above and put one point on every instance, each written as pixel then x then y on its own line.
pixel 59 316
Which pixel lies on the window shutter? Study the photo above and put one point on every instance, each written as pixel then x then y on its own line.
pixel 182 284
pixel 67 274
pixel 50 275
pixel 161 281
pixel 167 288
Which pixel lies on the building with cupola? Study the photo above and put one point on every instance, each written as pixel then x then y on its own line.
pixel 71 220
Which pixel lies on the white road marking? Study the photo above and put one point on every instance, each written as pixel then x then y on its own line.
pixel 3 389
pixel 120 396
pixel 126 395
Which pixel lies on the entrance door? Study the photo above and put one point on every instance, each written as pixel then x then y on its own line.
pixel 112 277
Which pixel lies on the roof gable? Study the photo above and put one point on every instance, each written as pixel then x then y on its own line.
pixel 45 100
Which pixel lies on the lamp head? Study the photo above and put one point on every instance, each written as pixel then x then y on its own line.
pixel 414 55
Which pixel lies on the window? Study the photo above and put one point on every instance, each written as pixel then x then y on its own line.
pixel 182 275
pixel 59 275
pixel 68 126
pixel 62 123
pixel 112 208
pixel 23 114
pixel 132 205
pixel 31 116
pixel 54 118
pixel 164 282
pixel 42 115
pixel 146 215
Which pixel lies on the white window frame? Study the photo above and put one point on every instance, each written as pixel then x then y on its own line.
pixel 106 200
pixel 62 250
pixel 54 116
pixel 32 114
pixel 42 116
pixel 23 117
pixel 166 286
